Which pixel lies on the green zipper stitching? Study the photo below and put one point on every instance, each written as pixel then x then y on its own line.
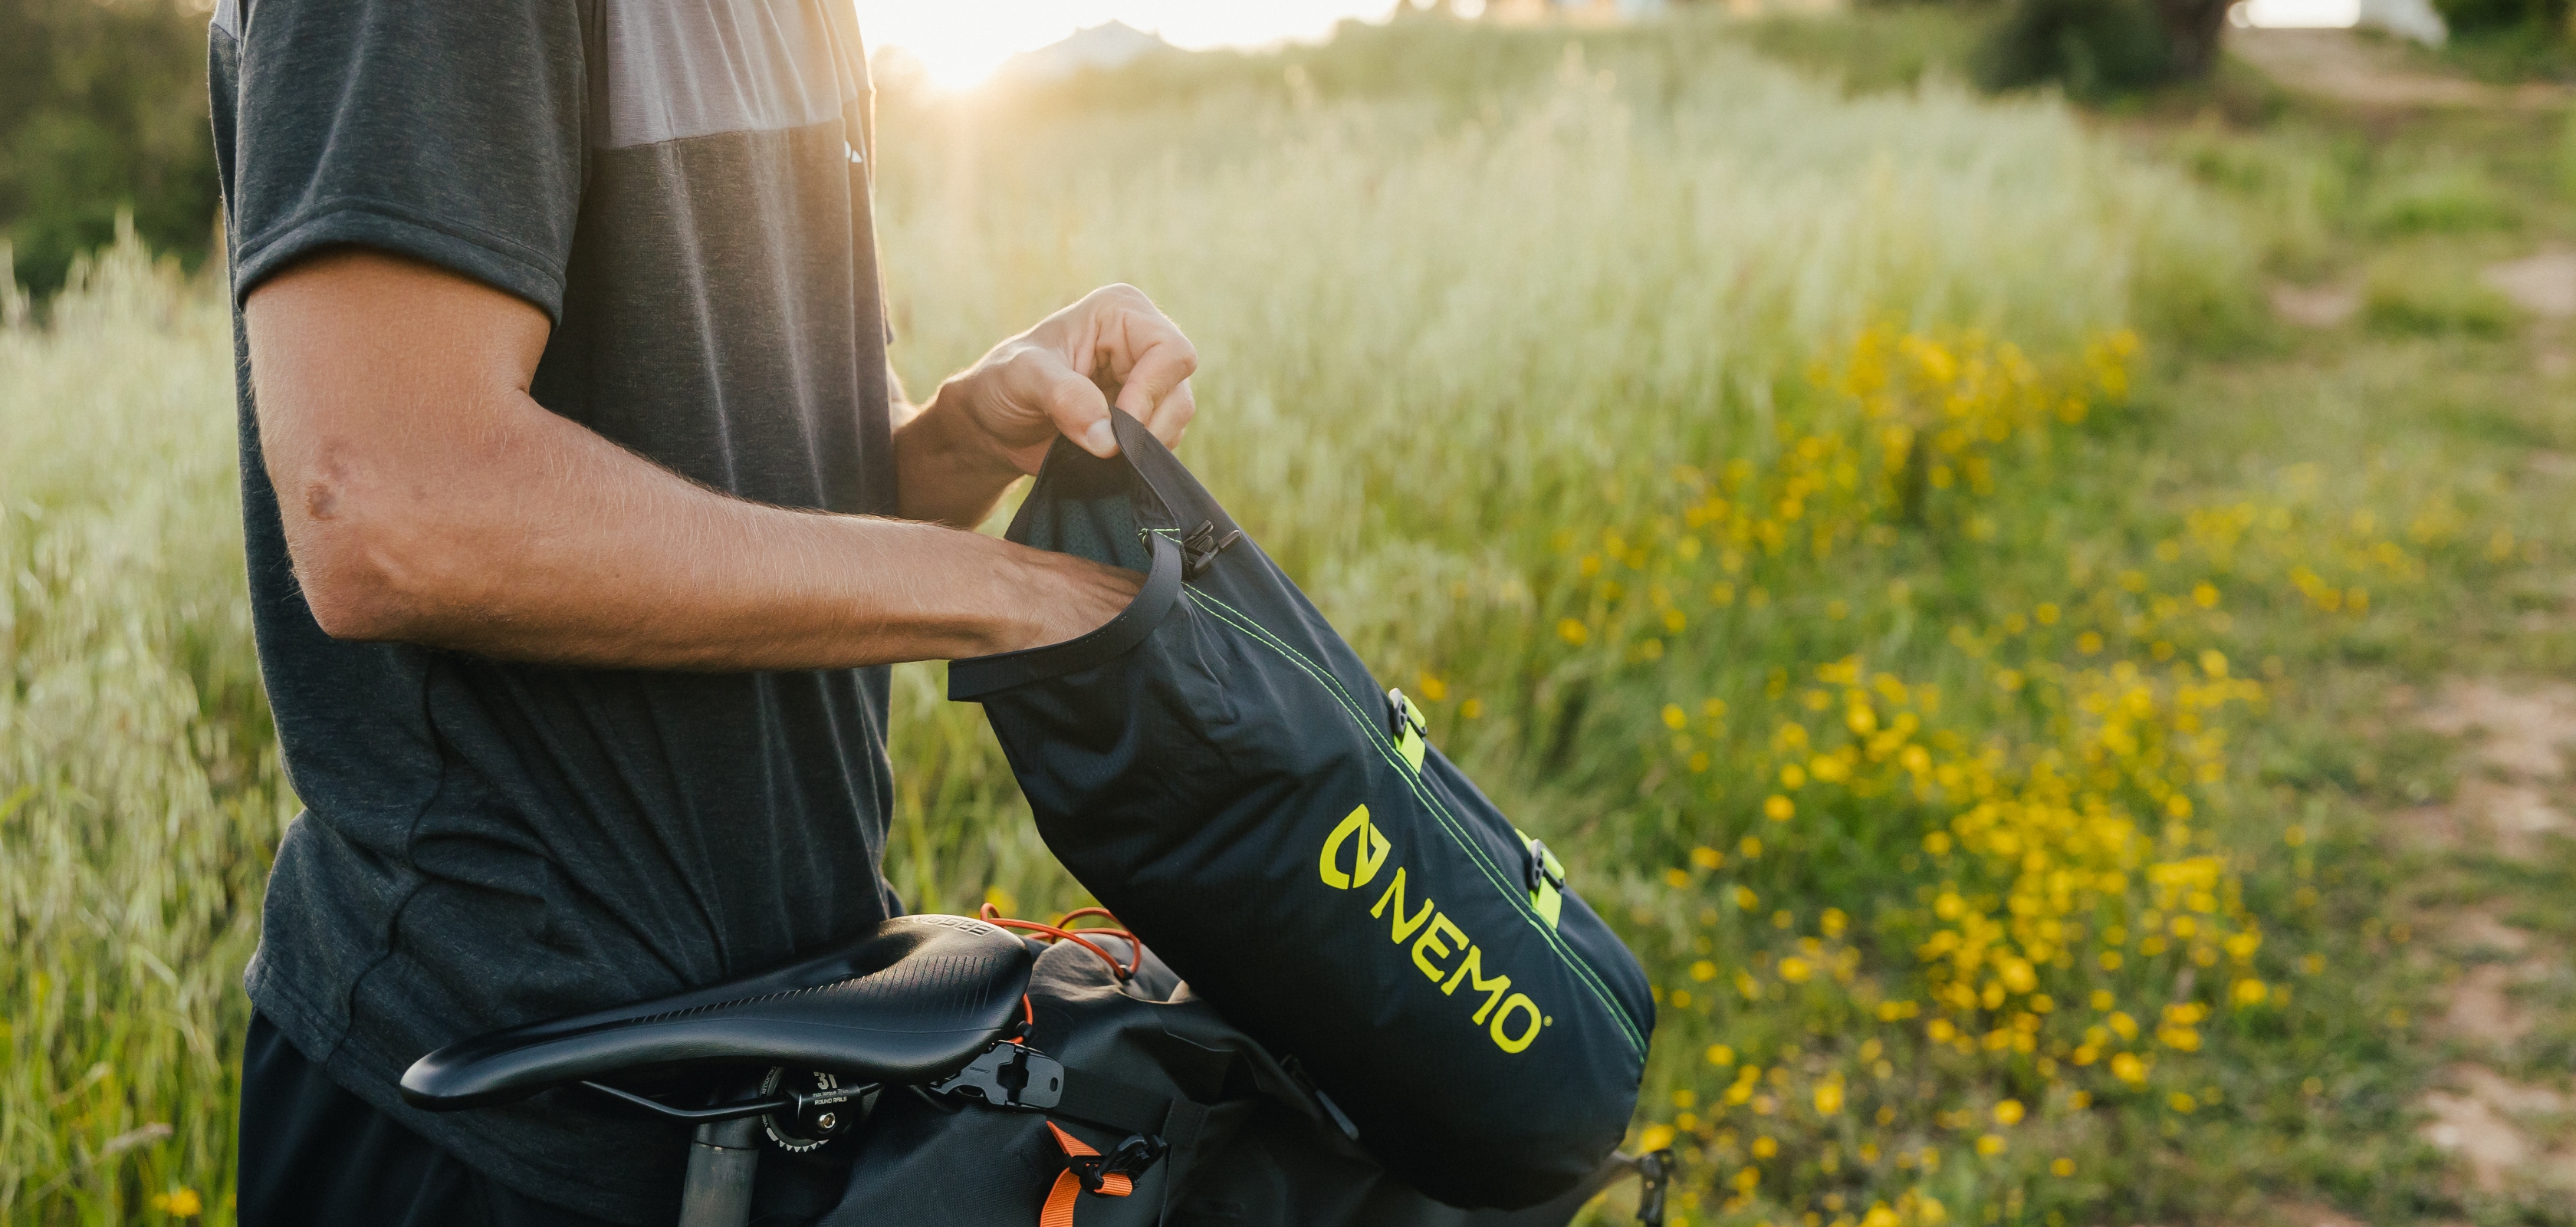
pixel 1449 822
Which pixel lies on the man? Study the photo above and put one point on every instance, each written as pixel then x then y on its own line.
pixel 583 517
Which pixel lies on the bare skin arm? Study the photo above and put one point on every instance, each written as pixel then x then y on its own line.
pixel 427 499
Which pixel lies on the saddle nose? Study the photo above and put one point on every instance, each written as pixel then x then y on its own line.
pixel 909 1001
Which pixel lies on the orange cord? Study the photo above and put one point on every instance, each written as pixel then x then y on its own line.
pixel 1028 1020
pixel 993 915
pixel 1136 948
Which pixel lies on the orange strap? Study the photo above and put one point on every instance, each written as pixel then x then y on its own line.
pixel 1059 1202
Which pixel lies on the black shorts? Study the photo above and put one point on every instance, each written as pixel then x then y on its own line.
pixel 314 1155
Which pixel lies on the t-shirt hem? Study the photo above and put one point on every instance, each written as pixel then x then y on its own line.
pixel 306 1027
pixel 369 1074
pixel 357 221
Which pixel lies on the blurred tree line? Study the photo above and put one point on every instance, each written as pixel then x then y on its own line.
pixel 103 109
pixel 103 102
pixel 2097 49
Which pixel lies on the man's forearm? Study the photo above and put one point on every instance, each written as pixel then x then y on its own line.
pixel 568 549
pixel 427 499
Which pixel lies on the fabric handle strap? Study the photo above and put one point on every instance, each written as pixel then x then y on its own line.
pixel 1058 1210
pixel 976 677
pixel 1181 495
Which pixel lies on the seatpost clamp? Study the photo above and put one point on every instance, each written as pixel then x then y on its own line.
pixel 1008 1075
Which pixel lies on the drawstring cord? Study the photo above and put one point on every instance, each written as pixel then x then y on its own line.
pixel 1057 932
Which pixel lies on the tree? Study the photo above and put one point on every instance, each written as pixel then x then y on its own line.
pixel 2099 48
pixel 2192 29
pixel 102 109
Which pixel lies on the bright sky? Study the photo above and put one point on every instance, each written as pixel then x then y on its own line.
pixel 961 41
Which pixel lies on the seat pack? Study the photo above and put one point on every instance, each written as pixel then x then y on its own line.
pixel 1221 1132
pixel 1217 766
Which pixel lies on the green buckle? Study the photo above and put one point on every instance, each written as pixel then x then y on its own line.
pixel 1546 879
pixel 1408 729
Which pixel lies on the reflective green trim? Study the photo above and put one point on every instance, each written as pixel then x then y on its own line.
pixel 1447 821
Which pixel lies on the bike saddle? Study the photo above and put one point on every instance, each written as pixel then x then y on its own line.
pixel 909 1001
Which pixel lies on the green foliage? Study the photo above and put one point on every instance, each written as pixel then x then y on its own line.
pixel 1891 48
pixel 2547 18
pixel 2410 296
pixel 2444 198
pixel 140 793
pixel 2567 155
pixel 2094 49
pixel 2303 187
pixel 102 111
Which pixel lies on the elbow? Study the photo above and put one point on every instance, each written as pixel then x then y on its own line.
pixel 377 578
pixel 349 603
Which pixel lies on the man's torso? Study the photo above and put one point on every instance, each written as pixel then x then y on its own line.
pixel 682 184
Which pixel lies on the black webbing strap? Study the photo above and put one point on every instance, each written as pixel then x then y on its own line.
pixel 1112 1104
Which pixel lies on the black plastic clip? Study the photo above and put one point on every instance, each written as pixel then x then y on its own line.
pixel 1543 868
pixel 1402 716
pixel 1201 547
pixel 1009 1075
pixel 1654 1177
pixel 1129 1158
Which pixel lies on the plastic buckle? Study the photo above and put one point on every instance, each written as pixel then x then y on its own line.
pixel 1405 725
pixel 1544 868
pixel 1129 1158
pixel 1091 1170
pixel 1200 548
pixel 1655 1176
pixel 1403 716
pixel 1009 1075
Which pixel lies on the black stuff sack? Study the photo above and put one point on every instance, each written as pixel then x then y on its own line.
pixel 1218 767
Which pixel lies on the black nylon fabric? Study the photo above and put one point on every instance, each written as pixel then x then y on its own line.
pixel 1228 782
pixel 1250 1146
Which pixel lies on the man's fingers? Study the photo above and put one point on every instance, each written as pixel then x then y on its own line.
pixel 1075 405
pixel 1157 387
pixel 1113 342
pixel 1172 416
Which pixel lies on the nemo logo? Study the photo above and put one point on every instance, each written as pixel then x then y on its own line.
pixel 1351 858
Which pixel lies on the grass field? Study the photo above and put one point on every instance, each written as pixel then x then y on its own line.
pixel 1883 537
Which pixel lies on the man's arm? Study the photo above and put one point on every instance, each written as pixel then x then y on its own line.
pixel 427 499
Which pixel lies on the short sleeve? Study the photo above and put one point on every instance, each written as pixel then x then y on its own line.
pixel 452 133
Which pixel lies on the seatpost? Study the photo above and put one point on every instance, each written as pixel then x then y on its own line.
pixel 723 1157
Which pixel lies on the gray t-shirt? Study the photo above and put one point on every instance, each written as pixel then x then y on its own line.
pixel 682 186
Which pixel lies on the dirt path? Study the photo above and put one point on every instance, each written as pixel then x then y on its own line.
pixel 2373 73
pixel 2509 1119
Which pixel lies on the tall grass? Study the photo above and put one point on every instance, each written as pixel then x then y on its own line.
pixel 1439 320
pixel 1630 400
pixel 139 790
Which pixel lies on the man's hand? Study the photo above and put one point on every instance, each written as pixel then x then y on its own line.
pixel 427 499
pixel 1060 376
pixel 995 420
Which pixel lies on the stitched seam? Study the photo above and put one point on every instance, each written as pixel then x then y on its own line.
pixel 420 880
pixel 352 202
pixel 1448 821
